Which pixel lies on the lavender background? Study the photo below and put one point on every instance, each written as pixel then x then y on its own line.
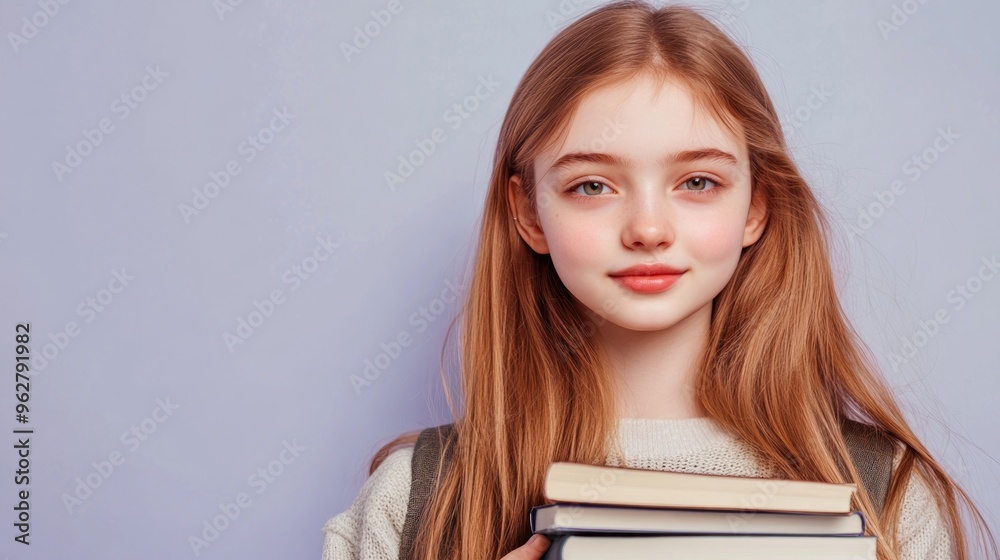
pixel 116 115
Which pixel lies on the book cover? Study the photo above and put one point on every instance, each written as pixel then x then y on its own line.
pixel 595 484
pixel 565 518
pixel 632 547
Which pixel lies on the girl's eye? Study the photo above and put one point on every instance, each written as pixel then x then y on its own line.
pixel 699 184
pixel 589 188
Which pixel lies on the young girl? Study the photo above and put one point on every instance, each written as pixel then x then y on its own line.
pixel 652 289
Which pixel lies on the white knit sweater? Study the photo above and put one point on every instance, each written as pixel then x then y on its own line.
pixel 370 529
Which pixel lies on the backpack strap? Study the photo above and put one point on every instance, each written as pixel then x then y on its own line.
pixel 423 480
pixel 871 452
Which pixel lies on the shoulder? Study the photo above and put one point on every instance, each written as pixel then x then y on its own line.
pixel 924 530
pixel 372 526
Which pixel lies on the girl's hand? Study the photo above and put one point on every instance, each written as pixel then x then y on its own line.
pixel 531 550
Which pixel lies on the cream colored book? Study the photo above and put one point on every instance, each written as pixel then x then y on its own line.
pixel 595 484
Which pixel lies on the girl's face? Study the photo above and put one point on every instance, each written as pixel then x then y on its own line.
pixel 644 176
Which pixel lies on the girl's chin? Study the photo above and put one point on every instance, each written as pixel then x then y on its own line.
pixel 635 319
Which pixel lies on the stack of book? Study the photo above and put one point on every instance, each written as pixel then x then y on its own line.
pixel 601 512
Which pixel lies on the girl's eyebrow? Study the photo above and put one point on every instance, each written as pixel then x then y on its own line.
pixel 685 156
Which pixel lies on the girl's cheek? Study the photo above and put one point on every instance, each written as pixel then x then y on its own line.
pixel 716 240
pixel 575 242
pixel 575 245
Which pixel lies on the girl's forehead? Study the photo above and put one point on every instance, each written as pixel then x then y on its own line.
pixel 647 110
pixel 641 119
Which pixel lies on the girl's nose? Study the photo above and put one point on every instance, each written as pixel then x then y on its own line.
pixel 647 223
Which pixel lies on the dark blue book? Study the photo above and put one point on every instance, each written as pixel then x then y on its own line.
pixel 705 547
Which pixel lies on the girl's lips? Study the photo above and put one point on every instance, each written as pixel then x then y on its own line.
pixel 651 269
pixel 648 284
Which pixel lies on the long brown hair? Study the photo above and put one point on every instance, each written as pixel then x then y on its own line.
pixel 537 391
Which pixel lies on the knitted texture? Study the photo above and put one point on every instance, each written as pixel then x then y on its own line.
pixel 370 529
